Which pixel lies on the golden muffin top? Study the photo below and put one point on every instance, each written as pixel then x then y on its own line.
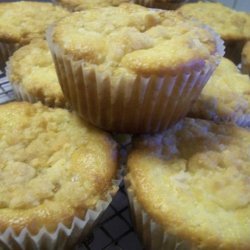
pixel 53 165
pixel 193 179
pixel 77 5
pixel 226 96
pixel 20 22
pixel 134 39
pixel 245 57
pixel 230 24
pixel 33 69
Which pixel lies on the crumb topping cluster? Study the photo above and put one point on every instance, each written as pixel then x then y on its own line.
pixel 134 38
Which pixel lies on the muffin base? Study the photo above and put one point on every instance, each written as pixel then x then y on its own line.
pixel 124 105
pixel 6 50
pixel 64 237
pixel 152 235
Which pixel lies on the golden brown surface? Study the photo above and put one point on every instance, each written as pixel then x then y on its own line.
pixel 133 39
pixel 77 5
pixel 226 96
pixel 230 24
pixel 193 180
pixel 53 166
pixel 20 22
pixel 245 58
pixel 32 68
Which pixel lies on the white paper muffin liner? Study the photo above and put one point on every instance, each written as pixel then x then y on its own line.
pixel 141 105
pixel 152 235
pixel 6 50
pixel 64 237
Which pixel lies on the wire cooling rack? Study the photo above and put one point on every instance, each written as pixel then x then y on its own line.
pixel 115 230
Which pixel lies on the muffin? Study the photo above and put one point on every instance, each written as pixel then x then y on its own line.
pixel 76 5
pixel 233 26
pixel 57 176
pixel 32 74
pixel 20 22
pixel 245 58
pixel 122 69
pixel 226 96
pixel 189 187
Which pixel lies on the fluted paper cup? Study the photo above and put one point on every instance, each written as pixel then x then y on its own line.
pixel 152 235
pixel 64 237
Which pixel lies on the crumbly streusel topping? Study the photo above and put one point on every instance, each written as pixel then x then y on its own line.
pixel 50 154
pixel 226 95
pixel 200 155
pixel 230 24
pixel 23 21
pixel 131 37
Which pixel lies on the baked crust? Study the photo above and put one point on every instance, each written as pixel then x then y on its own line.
pixel 225 97
pixel 77 5
pixel 245 58
pixel 193 180
pixel 53 167
pixel 228 23
pixel 32 69
pixel 35 17
pixel 132 39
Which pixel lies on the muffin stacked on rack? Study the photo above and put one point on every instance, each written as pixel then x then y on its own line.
pixel 122 69
pixel 133 70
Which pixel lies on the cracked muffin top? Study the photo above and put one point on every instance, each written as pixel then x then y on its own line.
pixel 20 22
pixel 133 39
pixel 230 24
pixel 54 166
pixel 226 96
pixel 193 179
pixel 31 67
pixel 76 5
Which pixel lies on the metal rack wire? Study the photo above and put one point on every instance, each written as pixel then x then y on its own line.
pixel 115 230
pixel 6 93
